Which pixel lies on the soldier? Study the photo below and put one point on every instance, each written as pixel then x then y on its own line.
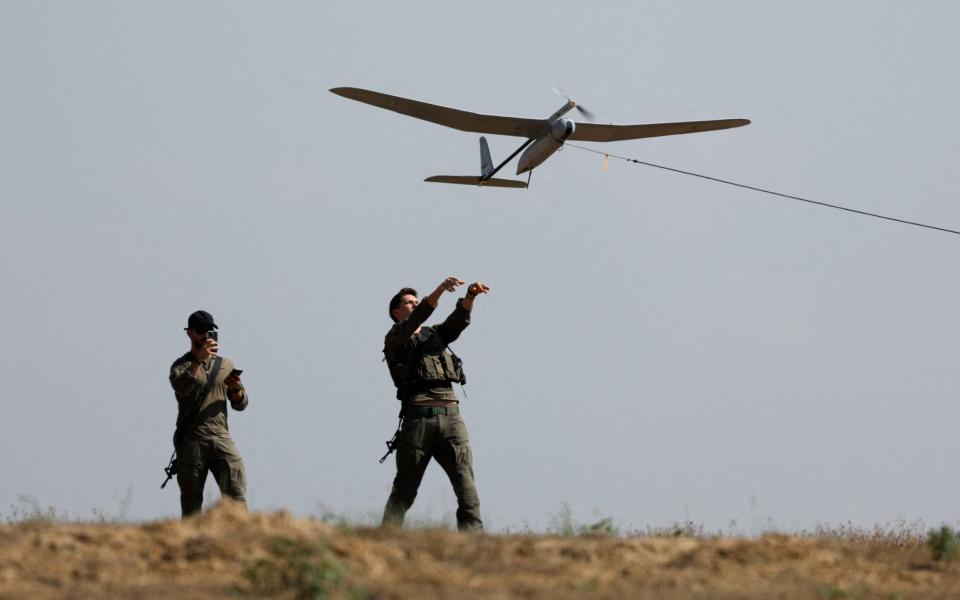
pixel 424 369
pixel 203 384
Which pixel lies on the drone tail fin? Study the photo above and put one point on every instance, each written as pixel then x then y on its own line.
pixel 486 163
pixel 487 170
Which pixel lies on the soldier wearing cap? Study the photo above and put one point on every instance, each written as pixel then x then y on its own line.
pixel 424 369
pixel 202 440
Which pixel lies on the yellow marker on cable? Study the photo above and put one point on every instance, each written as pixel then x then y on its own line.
pixel 606 161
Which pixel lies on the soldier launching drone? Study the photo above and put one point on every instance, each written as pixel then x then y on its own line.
pixel 424 370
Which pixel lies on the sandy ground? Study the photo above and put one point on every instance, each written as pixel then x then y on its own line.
pixel 230 553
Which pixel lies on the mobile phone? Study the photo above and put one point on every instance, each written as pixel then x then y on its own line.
pixel 212 335
pixel 236 372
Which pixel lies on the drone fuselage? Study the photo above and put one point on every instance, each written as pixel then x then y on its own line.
pixel 543 147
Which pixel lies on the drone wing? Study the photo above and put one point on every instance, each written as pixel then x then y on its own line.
pixel 448 117
pixel 589 132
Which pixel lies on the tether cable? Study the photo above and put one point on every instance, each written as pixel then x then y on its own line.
pixel 771 192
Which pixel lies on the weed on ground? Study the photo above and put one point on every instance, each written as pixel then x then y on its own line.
pixel 309 570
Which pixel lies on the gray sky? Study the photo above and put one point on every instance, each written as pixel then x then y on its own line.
pixel 655 347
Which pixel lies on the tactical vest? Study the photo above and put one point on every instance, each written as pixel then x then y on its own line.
pixel 424 363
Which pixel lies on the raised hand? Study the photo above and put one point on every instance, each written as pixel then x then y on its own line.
pixel 450 284
pixel 207 349
pixel 475 289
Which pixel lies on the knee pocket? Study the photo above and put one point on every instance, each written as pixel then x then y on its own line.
pixel 463 455
pixel 236 483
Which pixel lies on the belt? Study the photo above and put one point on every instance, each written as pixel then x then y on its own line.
pixel 430 411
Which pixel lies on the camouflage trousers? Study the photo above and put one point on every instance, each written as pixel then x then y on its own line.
pixel 197 456
pixel 444 438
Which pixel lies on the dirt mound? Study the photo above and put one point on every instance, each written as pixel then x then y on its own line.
pixel 228 552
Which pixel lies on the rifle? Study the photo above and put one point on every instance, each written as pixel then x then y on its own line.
pixel 392 442
pixel 170 470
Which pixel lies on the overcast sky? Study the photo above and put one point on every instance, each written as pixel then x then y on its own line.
pixel 655 347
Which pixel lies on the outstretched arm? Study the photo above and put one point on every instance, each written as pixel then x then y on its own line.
pixel 407 327
pixel 447 285
pixel 459 319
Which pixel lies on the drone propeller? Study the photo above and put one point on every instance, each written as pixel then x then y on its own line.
pixel 583 111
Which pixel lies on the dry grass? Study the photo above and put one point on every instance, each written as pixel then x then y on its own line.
pixel 229 553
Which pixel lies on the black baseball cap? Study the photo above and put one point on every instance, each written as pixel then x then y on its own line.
pixel 201 322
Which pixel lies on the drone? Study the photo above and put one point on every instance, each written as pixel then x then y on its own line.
pixel 544 136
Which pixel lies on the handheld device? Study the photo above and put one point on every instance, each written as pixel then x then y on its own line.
pixel 236 372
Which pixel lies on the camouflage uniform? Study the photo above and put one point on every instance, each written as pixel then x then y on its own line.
pixel 202 439
pixel 432 427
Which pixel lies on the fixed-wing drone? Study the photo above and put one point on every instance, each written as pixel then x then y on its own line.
pixel 544 136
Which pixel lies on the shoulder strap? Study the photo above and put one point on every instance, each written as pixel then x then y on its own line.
pixel 463 376
pixel 204 392
pixel 211 380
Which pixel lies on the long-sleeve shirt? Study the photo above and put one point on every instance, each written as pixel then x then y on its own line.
pixel 403 338
pixel 209 414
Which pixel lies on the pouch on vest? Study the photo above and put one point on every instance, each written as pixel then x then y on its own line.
pixel 442 367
